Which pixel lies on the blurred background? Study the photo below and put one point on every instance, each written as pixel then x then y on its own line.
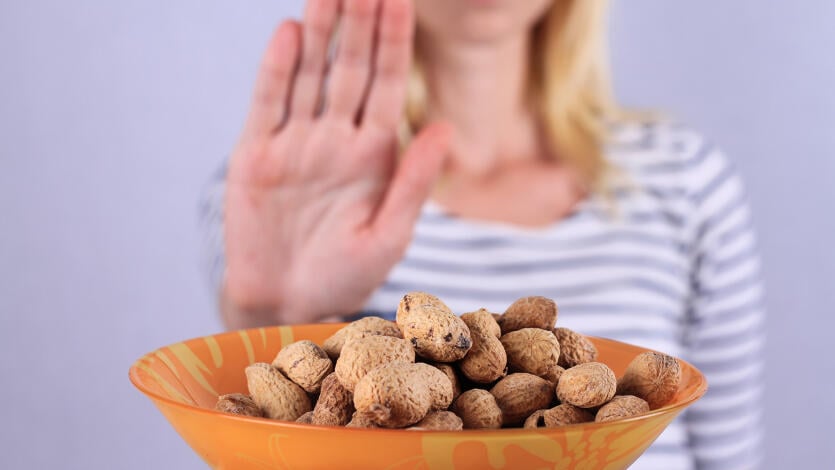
pixel 113 115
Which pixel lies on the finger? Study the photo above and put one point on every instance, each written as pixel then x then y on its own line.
pixel 351 69
pixel 274 80
pixel 413 180
pixel 391 69
pixel 319 21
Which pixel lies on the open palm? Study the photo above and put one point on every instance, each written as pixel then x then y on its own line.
pixel 318 205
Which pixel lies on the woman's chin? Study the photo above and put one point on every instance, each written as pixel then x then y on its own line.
pixel 479 20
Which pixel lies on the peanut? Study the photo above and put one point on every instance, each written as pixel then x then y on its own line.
pixel 452 374
pixel 238 404
pixel 520 394
pixel 529 312
pixel 275 394
pixel 536 420
pixel 439 421
pixel 305 363
pixel 486 361
pixel 366 326
pixel 574 348
pixel 653 376
pixel 621 406
pixel 553 374
pixel 359 356
pixel 532 350
pixel 306 418
pixel 335 405
pixel 587 385
pixel 361 420
pixel 399 394
pixel 478 409
pixel 432 329
pixel 565 414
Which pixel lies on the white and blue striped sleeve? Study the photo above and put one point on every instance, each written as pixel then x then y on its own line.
pixel 725 323
pixel 210 221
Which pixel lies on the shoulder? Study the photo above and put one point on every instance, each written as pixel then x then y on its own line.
pixel 671 157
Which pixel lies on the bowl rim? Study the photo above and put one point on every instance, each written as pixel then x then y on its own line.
pixel 133 375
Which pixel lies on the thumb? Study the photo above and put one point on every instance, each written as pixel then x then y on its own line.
pixel 418 169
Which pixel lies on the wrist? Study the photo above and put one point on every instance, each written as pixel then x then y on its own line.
pixel 240 310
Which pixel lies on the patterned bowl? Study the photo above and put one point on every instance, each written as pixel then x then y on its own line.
pixel 185 379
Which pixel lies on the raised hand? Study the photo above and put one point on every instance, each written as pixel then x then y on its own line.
pixel 319 205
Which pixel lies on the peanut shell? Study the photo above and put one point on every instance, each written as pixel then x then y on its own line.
pixel 653 376
pixel 553 374
pixel 452 374
pixel 478 409
pixel 519 395
pixel 574 348
pixel 366 326
pixel 432 329
pixel 305 363
pixel 275 394
pixel 532 350
pixel 486 361
pixel 361 420
pixel 535 420
pixel 482 320
pixel 440 387
pixel 306 418
pixel 529 312
pixel 565 414
pixel 587 385
pixel 397 395
pixel 620 407
pixel 335 405
pixel 439 421
pixel 238 404
pixel 360 355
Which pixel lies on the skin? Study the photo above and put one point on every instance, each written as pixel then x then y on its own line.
pixel 320 205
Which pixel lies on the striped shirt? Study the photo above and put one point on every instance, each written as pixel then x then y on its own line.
pixel 669 263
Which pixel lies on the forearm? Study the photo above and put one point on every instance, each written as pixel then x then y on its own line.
pixel 726 327
pixel 725 426
pixel 236 317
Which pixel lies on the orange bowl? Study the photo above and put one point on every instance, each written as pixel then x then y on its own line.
pixel 185 379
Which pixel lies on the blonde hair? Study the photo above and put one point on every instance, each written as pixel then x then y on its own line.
pixel 570 86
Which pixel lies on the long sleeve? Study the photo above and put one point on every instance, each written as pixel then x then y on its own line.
pixel 210 221
pixel 725 326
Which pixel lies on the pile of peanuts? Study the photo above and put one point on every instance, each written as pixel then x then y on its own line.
pixel 434 370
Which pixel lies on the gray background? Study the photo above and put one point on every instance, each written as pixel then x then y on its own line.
pixel 113 114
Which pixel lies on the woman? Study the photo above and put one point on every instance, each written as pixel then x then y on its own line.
pixel 518 176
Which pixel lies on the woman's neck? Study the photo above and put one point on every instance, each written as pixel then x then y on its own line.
pixel 481 89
